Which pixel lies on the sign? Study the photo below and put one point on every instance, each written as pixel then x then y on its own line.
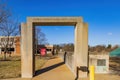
pixel 43 51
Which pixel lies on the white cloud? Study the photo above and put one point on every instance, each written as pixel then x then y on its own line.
pixel 110 33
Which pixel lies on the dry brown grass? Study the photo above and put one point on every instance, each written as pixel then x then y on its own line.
pixel 115 65
pixel 11 68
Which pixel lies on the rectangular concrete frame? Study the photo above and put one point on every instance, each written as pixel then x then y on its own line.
pixel 27 42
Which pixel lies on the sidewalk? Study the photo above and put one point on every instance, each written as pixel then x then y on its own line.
pixel 54 69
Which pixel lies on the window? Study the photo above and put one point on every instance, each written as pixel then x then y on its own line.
pixel 101 62
pixel 2 39
pixel 48 49
pixel 11 39
pixel 8 49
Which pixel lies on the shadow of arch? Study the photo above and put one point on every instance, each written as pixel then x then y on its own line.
pixel 38 72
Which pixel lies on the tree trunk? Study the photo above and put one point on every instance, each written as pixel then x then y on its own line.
pixel 9 53
pixel 4 55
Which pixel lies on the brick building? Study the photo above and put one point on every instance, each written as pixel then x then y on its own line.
pixel 49 48
pixel 13 44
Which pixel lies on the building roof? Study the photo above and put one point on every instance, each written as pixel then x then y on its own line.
pixel 115 53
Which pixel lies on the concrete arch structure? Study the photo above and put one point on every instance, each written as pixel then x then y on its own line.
pixel 27 42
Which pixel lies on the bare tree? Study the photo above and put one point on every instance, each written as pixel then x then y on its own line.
pixel 4 12
pixel 8 27
pixel 68 47
pixel 115 47
pixel 40 38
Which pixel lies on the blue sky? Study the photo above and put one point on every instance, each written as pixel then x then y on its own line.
pixel 103 17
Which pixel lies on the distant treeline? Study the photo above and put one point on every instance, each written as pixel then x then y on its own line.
pixel 102 48
pixel 65 47
pixel 98 48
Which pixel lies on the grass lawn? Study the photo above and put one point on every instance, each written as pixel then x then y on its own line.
pixel 11 68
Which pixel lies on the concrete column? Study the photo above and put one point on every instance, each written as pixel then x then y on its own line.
pixel 27 56
pixel 81 48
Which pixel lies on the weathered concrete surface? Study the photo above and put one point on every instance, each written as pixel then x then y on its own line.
pixel 81 48
pixel 93 59
pixel 54 21
pixel 27 56
pixel 81 42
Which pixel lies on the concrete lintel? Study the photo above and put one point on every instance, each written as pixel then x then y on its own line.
pixel 65 21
